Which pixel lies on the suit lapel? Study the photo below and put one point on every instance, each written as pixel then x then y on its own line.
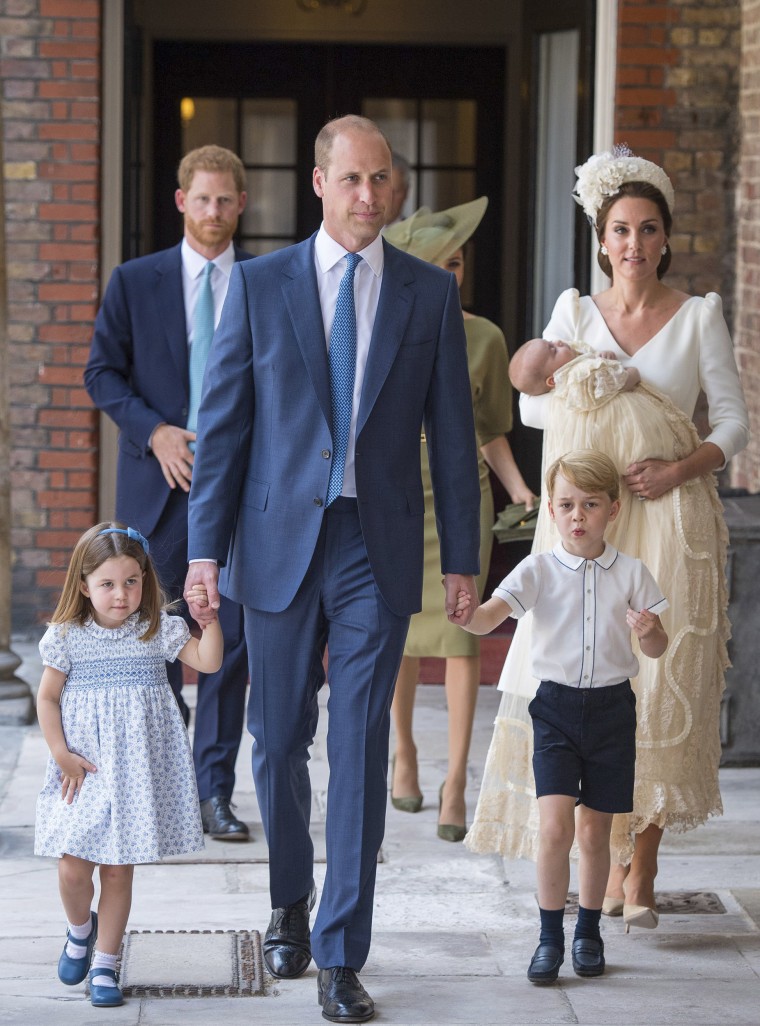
pixel 394 309
pixel 301 297
pixel 171 310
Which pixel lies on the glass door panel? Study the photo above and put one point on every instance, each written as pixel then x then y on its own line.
pixel 556 130
pixel 263 133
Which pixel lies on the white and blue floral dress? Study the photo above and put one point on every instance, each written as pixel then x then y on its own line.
pixel 119 713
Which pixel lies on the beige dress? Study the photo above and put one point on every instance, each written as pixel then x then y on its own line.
pixel 430 633
pixel 681 537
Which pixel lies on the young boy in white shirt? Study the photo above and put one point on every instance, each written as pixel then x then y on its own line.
pixel 586 599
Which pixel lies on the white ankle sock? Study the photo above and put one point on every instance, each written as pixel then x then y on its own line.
pixel 78 933
pixel 102 961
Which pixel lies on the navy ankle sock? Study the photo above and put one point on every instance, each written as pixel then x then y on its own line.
pixel 587 926
pixel 552 930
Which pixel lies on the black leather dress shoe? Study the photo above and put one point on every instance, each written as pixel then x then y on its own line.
pixel 588 956
pixel 287 942
pixel 544 966
pixel 342 997
pixel 220 822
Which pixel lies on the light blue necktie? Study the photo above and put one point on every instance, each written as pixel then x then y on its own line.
pixel 203 333
pixel 342 359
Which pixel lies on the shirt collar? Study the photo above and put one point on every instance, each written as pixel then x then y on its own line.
pixel 573 562
pixel 194 262
pixel 329 252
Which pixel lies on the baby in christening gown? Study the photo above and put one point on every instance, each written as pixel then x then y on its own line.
pixel 596 403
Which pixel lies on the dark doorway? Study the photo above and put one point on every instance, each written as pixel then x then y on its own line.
pixel 443 106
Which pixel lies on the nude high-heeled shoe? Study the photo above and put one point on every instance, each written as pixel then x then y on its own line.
pixel 640 915
pixel 613 906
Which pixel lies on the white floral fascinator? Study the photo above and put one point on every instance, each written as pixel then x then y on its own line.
pixel 603 174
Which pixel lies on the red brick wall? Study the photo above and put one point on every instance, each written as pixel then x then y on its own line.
pixel 677 104
pixel 50 82
pixel 747 330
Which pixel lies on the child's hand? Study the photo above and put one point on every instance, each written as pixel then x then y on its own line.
pixel 197 594
pixel 642 623
pixel 74 768
pixel 463 602
pixel 607 354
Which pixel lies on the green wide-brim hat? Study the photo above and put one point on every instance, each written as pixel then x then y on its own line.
pixel 434 237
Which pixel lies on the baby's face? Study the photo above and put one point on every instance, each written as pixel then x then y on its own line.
pixel 547 357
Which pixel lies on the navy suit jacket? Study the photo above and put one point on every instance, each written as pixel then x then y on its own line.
pixel 263 458
pixel 138 374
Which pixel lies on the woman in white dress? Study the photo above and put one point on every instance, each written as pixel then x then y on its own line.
pixel 680 345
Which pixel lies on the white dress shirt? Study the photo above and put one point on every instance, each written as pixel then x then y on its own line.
pixel 329 258
pixel 193 264
pixel 580 634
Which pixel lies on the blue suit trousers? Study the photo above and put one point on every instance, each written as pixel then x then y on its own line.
pixel 339 606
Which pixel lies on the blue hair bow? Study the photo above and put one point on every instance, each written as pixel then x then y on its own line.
pixel 130 533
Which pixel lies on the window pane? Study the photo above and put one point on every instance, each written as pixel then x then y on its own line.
pixel 207 121
pixel 554 225
pixel 271 207
pixel 442 189
pixel 448 132
pixel 398 120
pixel 269 132
pixel 260 246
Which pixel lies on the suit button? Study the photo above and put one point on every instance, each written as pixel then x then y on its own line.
pixel 326 454
pixel 317 501
pixel 184 411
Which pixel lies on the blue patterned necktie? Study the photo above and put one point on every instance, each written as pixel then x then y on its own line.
pixel 203 333
pixel 342 359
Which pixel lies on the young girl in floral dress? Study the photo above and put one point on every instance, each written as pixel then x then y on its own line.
pixel 120 785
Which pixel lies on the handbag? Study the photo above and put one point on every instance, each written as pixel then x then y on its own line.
pixel 514 524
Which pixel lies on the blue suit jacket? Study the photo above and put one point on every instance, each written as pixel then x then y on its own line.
pixel 263 458
pixel 138 374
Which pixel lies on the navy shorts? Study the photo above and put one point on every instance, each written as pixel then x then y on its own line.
pixel 584 744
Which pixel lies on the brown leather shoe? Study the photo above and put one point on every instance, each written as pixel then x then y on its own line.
pixel 287 942
pixel 342 997
pixel 220 822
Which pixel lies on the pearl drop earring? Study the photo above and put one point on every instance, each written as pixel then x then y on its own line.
pixel 603 251
pixel 664 250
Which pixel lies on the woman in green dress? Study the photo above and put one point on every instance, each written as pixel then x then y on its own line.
pixel 439 239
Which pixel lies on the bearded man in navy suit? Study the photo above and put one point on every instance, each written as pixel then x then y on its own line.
pixel 344 574
pixel 138 373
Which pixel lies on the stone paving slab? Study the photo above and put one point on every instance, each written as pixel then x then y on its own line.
pixel 453 931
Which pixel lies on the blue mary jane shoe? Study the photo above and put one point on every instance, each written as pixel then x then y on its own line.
pixel 105 997
pixel 73 970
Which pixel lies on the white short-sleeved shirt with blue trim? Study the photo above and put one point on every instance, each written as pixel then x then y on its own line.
pixel 580 634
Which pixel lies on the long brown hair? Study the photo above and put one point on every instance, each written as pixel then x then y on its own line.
pixel 636 190
pixel 90 552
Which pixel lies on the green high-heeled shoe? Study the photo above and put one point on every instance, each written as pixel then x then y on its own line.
pixel 409 803
pixel 449 831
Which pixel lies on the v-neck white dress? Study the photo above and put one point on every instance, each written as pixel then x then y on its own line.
pixel 680 537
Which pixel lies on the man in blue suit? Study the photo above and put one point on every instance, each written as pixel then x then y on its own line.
pixel 343 573
pixel 139 374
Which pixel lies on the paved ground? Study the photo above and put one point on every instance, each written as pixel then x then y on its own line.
pixel 453 931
